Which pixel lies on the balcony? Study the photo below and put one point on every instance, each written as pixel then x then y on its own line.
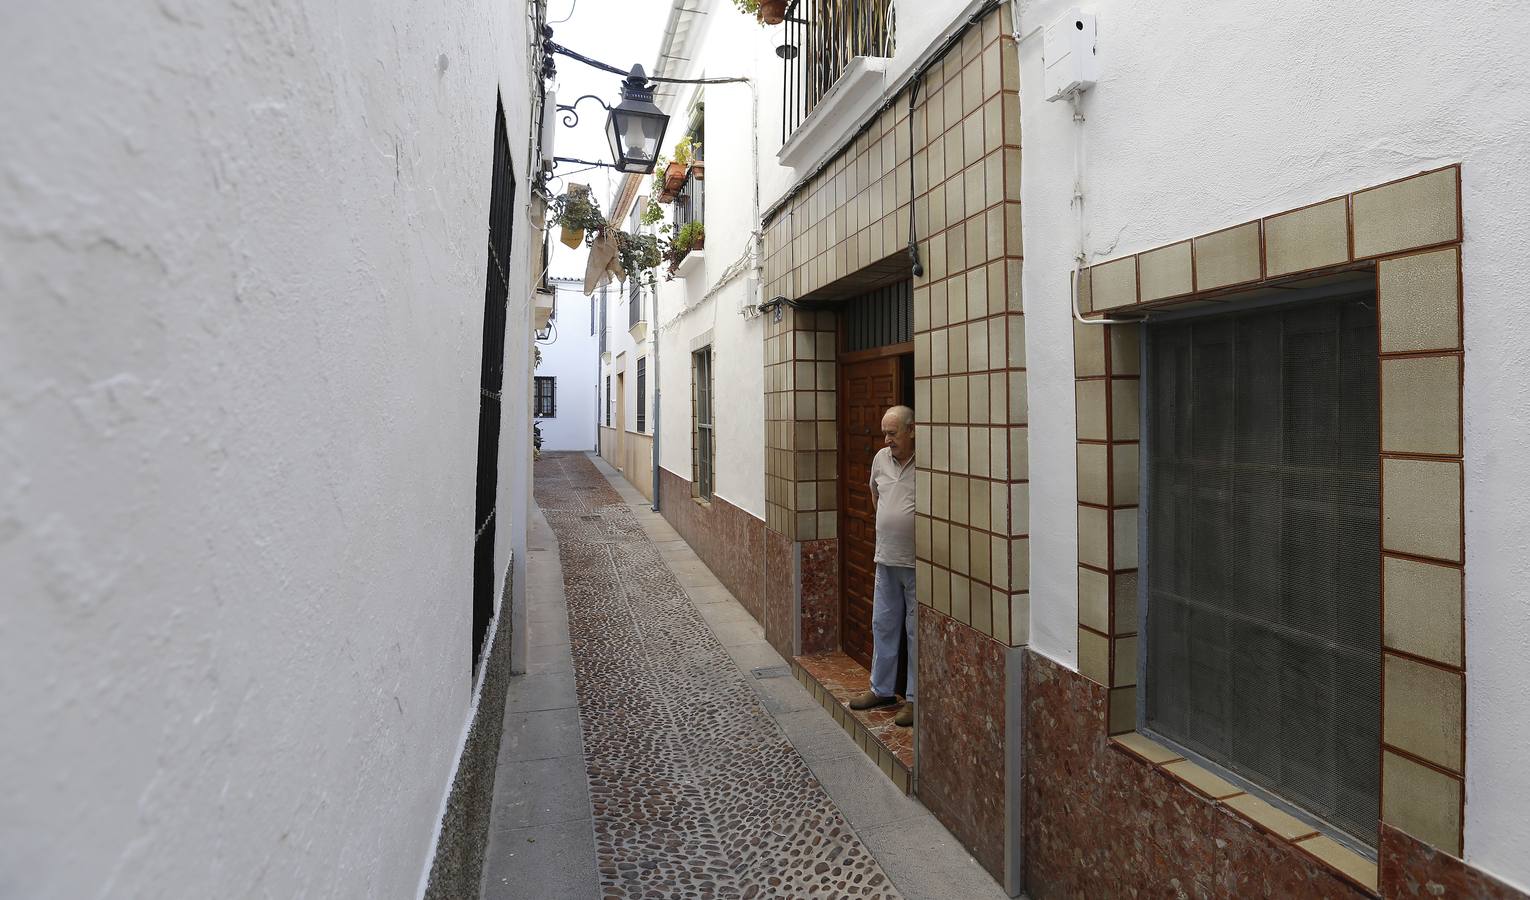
pixel 841 52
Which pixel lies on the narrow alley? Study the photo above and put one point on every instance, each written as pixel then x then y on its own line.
pixel 659 747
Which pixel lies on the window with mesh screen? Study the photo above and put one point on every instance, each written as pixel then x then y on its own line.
pixel 1263 553
pixel 705 442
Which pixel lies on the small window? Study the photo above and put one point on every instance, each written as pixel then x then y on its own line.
pixel 1263 551
pixel 642 395
pixel 608 401
pixel 545 404
pixel 705 444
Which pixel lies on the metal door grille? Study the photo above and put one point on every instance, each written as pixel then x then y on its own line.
pixel 1263 551
pixel 545 402
pixel 881 318
pixel 491 379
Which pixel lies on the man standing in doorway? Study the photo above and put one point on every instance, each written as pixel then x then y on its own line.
pixel 893 608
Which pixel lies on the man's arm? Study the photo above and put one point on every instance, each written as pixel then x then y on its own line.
pixel 873 487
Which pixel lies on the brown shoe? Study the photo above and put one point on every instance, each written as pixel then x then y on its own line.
pixel 905 717
pixel 869 700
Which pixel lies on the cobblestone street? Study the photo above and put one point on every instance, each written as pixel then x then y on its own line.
pixel 706 769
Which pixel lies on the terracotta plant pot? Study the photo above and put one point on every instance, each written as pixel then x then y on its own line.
pixel 666 196
pixel 674 177
pixel 699 171
pixel 772 12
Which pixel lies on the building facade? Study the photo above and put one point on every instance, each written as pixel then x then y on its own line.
pixel 565 398
pixel 267 386
pixel 1213 382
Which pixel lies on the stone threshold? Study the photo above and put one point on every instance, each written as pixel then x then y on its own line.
pixel 834 679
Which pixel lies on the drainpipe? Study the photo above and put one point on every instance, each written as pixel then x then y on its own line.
pixel 658 422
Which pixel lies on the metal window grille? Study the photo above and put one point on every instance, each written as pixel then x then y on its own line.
pixel 491 378
pixel 1263 551
pixel 690 202
pixel 827 35
pixel 608 401
pixel 642 394
pixel 604 315
pixel 705 445
pixel 546 398
pixel 881 318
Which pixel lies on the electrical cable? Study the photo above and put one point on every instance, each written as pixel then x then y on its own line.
pixel 913 216
pixel 555 47
pixel 572 6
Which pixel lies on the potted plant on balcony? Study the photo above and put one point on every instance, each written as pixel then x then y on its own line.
pixel 691 236
pixel 769 12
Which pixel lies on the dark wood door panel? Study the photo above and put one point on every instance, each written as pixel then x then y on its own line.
pixel 867 389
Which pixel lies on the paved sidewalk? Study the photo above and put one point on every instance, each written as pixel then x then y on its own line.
pixel 712 771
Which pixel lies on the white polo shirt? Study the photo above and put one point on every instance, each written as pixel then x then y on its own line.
pixel 893 486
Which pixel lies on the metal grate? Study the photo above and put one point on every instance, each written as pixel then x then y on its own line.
pixel 704 432
pixel 545 399
pixel 881 318
pixel 1263 551
pixel 825 35
pixel 642 394
pixel 491 378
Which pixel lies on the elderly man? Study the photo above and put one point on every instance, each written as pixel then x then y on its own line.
pixel 893 608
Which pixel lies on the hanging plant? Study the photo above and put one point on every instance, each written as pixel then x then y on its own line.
pixel 640 254
pixel 652 215
pixel 769 12
pixel 691 236
pixel 578 215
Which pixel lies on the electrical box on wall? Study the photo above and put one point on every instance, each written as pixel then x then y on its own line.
pixel 1067 56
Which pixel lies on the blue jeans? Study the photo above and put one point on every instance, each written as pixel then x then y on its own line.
pixel 893 608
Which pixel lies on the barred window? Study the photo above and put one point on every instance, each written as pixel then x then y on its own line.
pixel 1263 551
pixel 642 394
pixel 545 401
pixel 608 401
pixel 705 446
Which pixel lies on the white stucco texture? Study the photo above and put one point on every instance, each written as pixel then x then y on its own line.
pixel 1210 115
pixel 242 255
pixel 571 357
pixel 710 299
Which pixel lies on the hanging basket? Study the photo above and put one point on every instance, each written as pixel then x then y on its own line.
pixel 674 178
pixel 772 12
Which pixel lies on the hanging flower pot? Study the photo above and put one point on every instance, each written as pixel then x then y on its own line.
pixel 772 12
pixel 674 177
pixel 699 171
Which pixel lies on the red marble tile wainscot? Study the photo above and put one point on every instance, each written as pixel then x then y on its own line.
pixel 1412 869
pixel 730 541
pixel 961 734
pixel 820 596
pixel 780 598
pixel 1100 822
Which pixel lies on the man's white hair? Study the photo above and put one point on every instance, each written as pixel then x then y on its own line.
pixel 905 415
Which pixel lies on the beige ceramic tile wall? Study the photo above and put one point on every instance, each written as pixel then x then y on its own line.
pixel 1108 373
pixel 1410 231
pixel 969 345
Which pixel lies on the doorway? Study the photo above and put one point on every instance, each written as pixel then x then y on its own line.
pixel 876 370
pixel 621 422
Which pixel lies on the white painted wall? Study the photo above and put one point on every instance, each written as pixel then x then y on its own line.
pixel 242 256
pixel 1211 115
pixel 571 358
pixel 711 298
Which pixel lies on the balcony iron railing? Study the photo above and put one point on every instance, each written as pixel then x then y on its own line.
pixel 822 37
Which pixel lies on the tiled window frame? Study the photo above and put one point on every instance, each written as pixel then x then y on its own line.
pixel 1410 230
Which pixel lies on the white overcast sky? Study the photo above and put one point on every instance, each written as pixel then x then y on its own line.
pixel 619 32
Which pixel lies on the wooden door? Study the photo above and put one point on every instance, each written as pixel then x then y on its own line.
pixel 867 388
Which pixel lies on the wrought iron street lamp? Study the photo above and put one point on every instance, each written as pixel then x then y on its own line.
pixel 634 127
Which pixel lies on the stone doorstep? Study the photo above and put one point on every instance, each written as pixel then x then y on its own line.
pixel 834 679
